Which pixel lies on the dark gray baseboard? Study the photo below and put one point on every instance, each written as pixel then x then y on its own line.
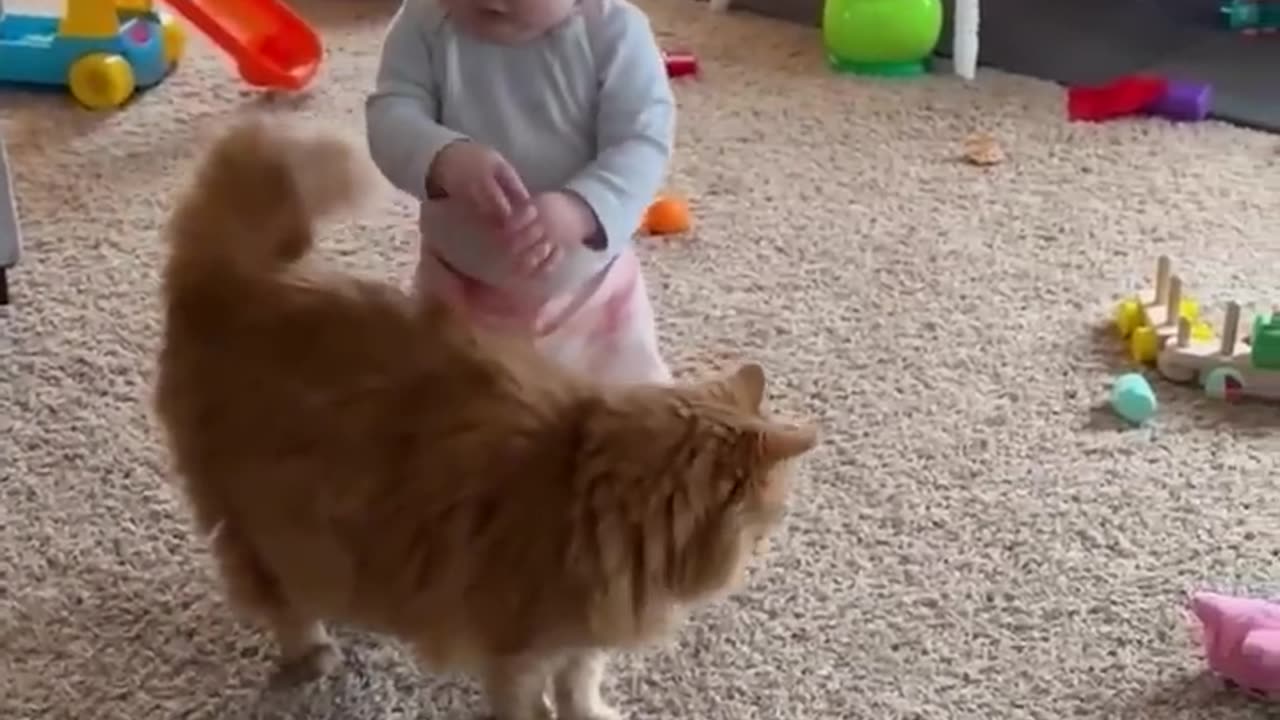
pixel 808 12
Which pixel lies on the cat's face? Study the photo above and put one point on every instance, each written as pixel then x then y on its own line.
pixel 744 489
pixel 676 488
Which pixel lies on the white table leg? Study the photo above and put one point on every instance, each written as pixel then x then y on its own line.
pixel 964 45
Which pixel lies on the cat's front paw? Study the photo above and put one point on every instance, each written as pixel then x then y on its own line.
pixel 539 710
pixel 599 711
pixel 316 662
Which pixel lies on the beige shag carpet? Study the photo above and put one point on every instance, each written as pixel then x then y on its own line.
pixel 974 540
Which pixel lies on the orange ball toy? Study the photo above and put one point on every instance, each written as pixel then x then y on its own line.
pixel 667 216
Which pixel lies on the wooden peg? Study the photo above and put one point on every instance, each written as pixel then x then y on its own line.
pixel 1164 268
pixel 1230 329
pixel 1174 307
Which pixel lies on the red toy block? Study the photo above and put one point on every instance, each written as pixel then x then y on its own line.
pixel 680 64
pixel 1129 95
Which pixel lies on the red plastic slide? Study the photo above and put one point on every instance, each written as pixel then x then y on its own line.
pixel 272 45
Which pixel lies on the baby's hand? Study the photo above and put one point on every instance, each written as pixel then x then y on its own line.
pixel 480 178
pixel 542 231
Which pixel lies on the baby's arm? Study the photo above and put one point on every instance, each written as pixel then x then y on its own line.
pixel 400 116
pixel 635 127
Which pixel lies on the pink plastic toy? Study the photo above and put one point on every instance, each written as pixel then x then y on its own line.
pixel 1241 638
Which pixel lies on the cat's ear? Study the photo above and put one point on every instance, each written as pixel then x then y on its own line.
pixel 743 388
pixel 776 442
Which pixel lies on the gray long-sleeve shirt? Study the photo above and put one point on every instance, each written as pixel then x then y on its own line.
pixel 586 107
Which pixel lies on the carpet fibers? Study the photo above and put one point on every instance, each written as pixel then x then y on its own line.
pixel 975 538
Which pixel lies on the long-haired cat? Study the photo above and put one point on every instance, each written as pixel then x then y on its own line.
pixel 359 456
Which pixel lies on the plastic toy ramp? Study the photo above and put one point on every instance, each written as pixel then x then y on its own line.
pixel 272 46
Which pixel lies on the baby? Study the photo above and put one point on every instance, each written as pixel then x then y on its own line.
pixel 535 133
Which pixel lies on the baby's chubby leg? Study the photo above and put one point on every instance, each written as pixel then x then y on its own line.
pixel 613 337
pixel 634 354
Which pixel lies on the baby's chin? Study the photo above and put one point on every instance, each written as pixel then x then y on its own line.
pixel 505 29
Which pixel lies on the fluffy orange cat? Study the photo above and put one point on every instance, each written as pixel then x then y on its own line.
pixel 358 456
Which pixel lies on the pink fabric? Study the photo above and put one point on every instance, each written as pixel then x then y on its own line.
pixel 1241 639
pixel 605 330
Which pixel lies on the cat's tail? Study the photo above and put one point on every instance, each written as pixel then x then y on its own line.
pixel 257 193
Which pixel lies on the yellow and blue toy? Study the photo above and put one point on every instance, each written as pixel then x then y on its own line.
pixel 102 50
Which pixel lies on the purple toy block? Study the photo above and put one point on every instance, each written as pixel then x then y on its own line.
pixel 1184 101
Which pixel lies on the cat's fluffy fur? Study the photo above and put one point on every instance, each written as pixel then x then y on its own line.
pixel 357 456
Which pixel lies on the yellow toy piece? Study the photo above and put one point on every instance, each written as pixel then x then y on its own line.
pixel 1131 314
pixel 1144 345
pixel 1189 309
pixel 1128 317
pixel 1145 342
pixel 89 19
pixel 175 39
pixel 101 81
pixel 135 6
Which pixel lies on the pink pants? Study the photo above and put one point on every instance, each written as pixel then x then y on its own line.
pixel 605 330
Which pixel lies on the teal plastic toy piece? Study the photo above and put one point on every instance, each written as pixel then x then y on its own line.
pixel 1251 15
pixel 1224 383
pixel 889 38
pixel 1133 399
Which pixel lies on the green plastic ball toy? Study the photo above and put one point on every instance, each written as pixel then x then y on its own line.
pixel 891 38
